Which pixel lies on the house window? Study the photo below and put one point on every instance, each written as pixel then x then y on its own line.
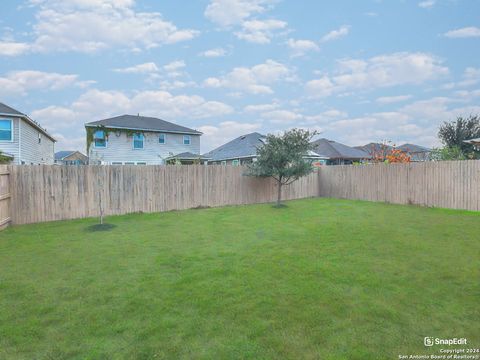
pixel 100 139
pixel 223 162
pixel 186 139
pixel 39 138
pixel 138 141
pixel 162 138
pixel 141 163
pixel 235 162
pixel 129 163
pixel 6 130
pixel 116 163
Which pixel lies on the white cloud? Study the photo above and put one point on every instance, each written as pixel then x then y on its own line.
pixel 466 32
pixel 11 48
pixel 92 25
pixel 20 82
pixel 377 72
pixel 260 31
pixel 216 52
pixel 216 135
pixel 336 34
pixel 260 107
pixel 301 47
pixel 238 14
pixel 174 66
pixel 282 116
pixel 427 4
pixel 254 80
pixel 393 99
pixel 139 69
pixel 233 12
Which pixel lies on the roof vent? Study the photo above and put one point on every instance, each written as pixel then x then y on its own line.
pixel 242 137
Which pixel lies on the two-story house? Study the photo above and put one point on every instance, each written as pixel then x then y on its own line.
pixel 139 140
pixel 23 140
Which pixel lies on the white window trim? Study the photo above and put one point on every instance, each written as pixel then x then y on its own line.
pixel 236 162
pixel 133 142
pixel 189 140
pixel 165 137
pixel 12 132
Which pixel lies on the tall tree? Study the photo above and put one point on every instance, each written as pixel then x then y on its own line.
pixel 452 134
pixel 282 158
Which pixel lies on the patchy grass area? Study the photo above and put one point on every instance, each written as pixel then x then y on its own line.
pixel 328 279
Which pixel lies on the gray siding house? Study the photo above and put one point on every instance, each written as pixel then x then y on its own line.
pixel 24 140
pixel 138 140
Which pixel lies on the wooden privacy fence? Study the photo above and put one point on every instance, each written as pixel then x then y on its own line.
pixel 4 196
pixel 446 184
pixel 31 194
pixel 45 193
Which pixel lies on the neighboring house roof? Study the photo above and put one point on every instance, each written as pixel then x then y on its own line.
pixel 187 156
pixel 412 148
pixel 242 147
pixel 6 154
pixel 335 150
pixel 137 122
pixel 246 146
pixel 7 110
pixel 372 148
pixel 313 155
pixel 60 155
pixel 472 141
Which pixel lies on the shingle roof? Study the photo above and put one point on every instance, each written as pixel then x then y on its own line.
pixel 335 150
pixel 241 147
pixel 187 156
pixel 5 109
pixel 60 155
pixel 136 122
pixel 412 148
pixel 374 147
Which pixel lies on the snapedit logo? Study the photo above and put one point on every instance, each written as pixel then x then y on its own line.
pixel 430 341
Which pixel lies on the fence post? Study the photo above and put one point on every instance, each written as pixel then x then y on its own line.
pixel 5 194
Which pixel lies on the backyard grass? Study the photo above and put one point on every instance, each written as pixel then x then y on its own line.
pixel 319 279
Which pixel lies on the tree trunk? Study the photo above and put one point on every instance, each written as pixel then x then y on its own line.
pixel 279 197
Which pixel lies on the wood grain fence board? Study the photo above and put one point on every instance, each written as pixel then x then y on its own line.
pixel 46 193
pixel 447 184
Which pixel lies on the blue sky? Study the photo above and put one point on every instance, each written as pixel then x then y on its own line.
pixel 357 71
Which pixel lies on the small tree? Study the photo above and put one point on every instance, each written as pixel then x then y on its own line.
pixel 282 158
pixel 453 134
pixel 447 153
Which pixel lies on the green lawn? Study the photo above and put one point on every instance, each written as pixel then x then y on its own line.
pixel 320 279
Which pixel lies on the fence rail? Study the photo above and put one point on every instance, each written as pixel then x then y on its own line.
pixel 446 184
pixel 46 193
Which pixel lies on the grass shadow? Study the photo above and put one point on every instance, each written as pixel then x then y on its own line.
pixel 100 227
pixel 280 206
